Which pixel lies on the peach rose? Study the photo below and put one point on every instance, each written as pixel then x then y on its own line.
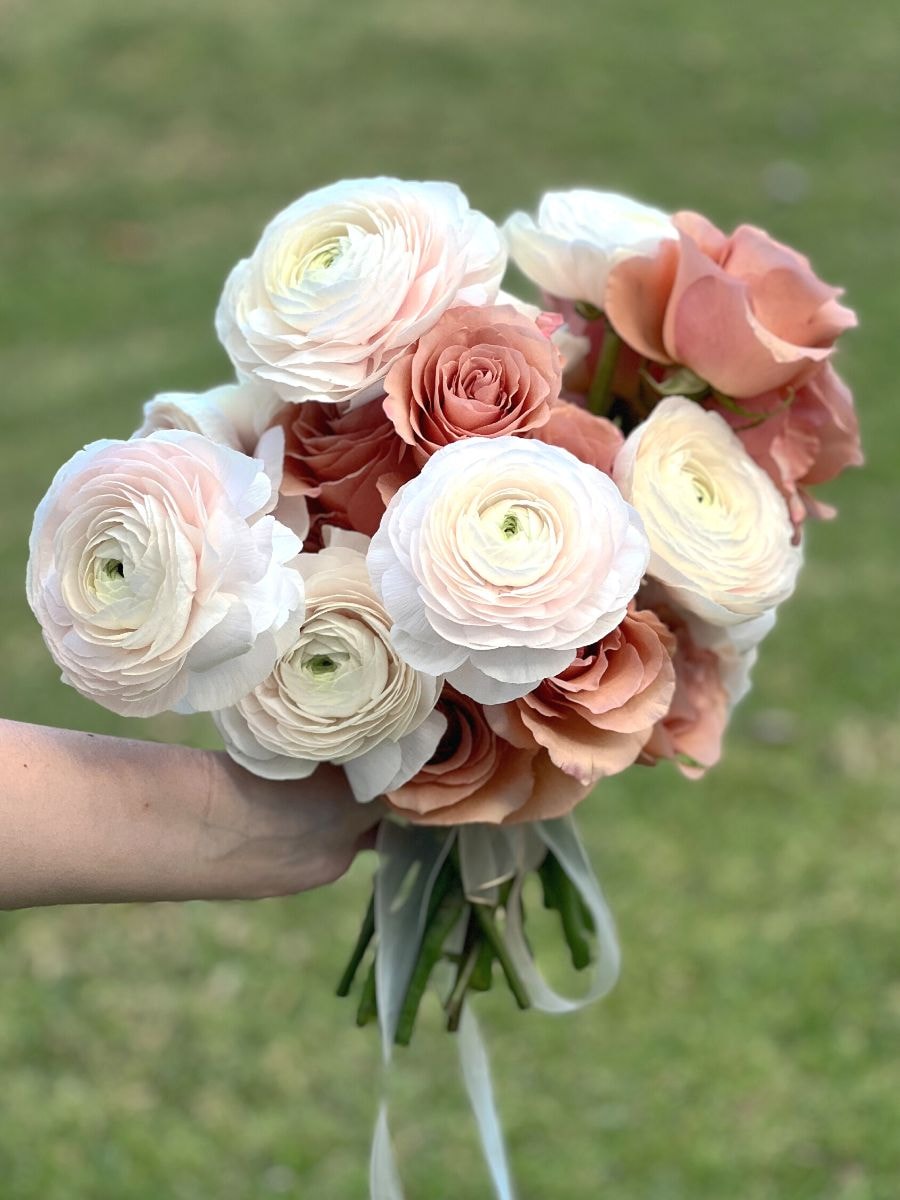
pixel 481 372
pixel 595 716
pixel 476 776
pixel 594 440
pixel 339 459
pixel 808 439
pixel 744 312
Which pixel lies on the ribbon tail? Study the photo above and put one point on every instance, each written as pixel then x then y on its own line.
pixel 384 1178
pixel 477 1078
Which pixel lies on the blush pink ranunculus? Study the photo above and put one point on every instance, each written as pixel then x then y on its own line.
pixel 594 717
pixel 338 459
pixel 595 440
pixel 477 776
pixel 480 372
pixel 805 439
pixel 743 312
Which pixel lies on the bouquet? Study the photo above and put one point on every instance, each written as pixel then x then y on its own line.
pixel 482 553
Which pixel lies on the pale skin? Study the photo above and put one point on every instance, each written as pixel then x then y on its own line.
pixel 90 819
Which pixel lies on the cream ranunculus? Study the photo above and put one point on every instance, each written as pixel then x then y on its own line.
pixel 340 692
pixel 579 236
pixel 720 532
pixel 346 278
pixel 158 576
pixel 500 559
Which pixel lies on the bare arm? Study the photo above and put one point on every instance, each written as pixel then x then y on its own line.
pixel 85 819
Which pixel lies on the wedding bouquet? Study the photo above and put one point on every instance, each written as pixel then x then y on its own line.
pixel 481 553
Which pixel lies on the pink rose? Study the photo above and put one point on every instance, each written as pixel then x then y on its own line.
pixel 803 441
pixel 594 717
pixel 594 440
pixel 743 312
pixel 481 372
pixel 476 776
pixel 338 461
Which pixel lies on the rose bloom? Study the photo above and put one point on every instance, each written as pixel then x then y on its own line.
pixel 343 461
pixel 339 693
pixel 803 439
pixel 158 578
pixel 476 776
pixel 481 372
pixel 594 717
pixel 500 559
pixel 712 674
pixel 579 236
pixel 346 278
pixel 594 440
pixel 720 533
pixel 744 312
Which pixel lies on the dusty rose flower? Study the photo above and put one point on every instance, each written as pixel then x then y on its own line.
pixel 346 278
pixel 712 674
pixel 594 440
pixel 342 461
pixel 159 577
pixel 500 559
pixel 480 372
pixel 744 312
pixel 594 717
pixel 805 439
pixel 476 776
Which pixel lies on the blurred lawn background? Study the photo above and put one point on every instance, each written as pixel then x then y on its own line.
pixel 197 1051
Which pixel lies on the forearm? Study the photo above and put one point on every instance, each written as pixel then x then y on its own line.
pixel 85 818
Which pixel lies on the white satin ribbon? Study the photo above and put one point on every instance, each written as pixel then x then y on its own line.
pixel 410 859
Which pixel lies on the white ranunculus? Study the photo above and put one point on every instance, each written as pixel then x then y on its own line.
pixel 501 559
pixel 579 236
pixel 719 530
pixel 346 278
pixel 340 692
pixel 234 414
pixel 158 575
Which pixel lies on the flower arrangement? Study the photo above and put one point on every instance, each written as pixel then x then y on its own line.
pixel 480 553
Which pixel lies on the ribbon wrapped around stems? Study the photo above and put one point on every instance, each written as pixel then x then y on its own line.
pixel 435 896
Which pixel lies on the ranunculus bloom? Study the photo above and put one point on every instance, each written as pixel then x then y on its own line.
pixel 235 414
pixel 338 460
pixel 579 236
pixel 346 278
pixel 592 439
pixel 500 559
pixel 712 673
pixel 476 776
pixel 340 693
pixel 480 372
pixel 594 717
pixel 744 312
pixel 158 578
pixel 720 532
pixel 806 438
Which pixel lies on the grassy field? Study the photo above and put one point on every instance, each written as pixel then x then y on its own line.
pixel 196 1052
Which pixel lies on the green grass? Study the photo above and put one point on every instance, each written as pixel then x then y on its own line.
pixel 196 1051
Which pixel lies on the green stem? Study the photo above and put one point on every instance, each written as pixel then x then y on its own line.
pixel 436 934
pixel 368 1005
pixel 454 1005
pixel 600 394
pixel 492 933
pixel 366 933
pixel 483 974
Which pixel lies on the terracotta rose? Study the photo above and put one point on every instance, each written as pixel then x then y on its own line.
pixel 594 717
pixel 477 776
pixel 480 372
pixel 743 312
